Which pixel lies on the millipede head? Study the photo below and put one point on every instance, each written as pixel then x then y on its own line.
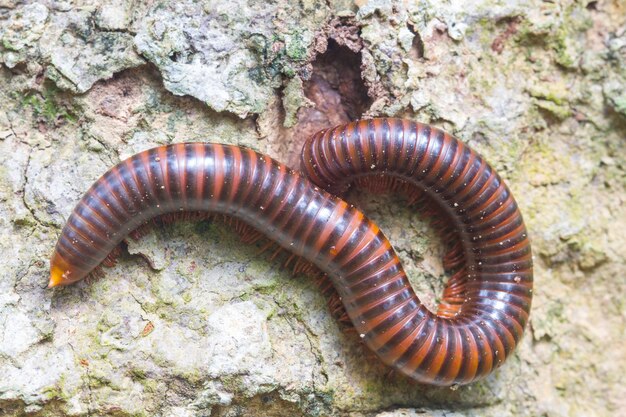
pixel 62 273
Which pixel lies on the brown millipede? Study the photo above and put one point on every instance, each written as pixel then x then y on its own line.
pixel 465 343
pixel 487 302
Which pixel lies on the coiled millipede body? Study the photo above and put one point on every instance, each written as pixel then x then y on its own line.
pixel 336 237
pixel 486 304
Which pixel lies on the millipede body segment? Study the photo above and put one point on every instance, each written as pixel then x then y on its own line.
pixel 487 303
pixel 337 238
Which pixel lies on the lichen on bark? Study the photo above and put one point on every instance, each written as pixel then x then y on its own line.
pixel 190 322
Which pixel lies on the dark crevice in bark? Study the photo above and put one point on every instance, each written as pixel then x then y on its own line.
pixel 338 93
pixel 336 88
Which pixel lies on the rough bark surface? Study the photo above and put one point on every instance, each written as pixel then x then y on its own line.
pixel 208 327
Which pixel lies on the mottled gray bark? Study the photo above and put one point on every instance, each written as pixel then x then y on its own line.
pixel 208 326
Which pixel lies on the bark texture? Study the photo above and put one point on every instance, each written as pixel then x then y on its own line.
pixel 207 326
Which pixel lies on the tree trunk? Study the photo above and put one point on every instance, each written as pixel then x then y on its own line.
pixel 209 327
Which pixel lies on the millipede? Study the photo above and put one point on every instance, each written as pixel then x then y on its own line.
pixel 486 302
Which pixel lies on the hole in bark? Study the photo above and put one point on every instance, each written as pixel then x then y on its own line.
pixel 336 88
pixel 337 91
